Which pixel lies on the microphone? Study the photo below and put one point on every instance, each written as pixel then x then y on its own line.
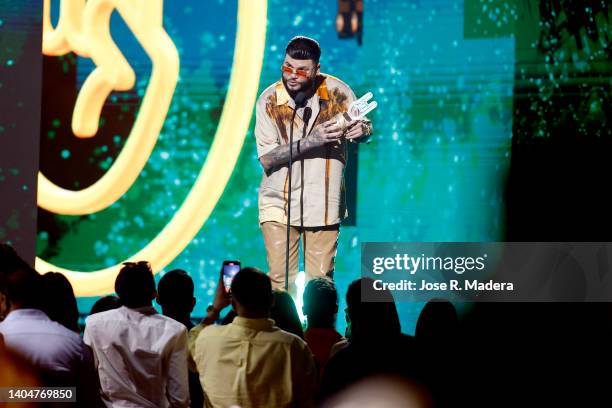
pixel 299 99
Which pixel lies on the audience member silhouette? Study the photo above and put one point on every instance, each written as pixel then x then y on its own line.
pixel 437 334
pixel 321 308
pixel 547 353
pixel 105 303
pixel 285 315
pixel 376 347
pixel 250 362
pixel 58 300
pixel 58 354
pixel 18 277
pixel 437 323
pixel 175 296
pixel 141 355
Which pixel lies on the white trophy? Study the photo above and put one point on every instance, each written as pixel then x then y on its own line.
pixel 357 110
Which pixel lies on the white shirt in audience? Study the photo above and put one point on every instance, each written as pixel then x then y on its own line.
pixel 43 342
pixel 58 352
pixel 141 357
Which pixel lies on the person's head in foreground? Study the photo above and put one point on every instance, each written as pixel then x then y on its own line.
pixel 301 65
pixel 320 303
pixel 438 322
pixel 105 303
pixel 284 313
pixel 19 282
pixel 376 318
pixel 135 284
pixel 58 300
pixel 175 295
pixel 252 294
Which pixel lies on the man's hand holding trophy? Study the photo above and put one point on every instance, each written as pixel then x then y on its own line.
pixel 354 123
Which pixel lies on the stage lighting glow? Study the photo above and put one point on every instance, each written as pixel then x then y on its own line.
pixel 224 152
pixel 300 284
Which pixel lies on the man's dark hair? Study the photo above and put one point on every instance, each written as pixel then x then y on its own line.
pixel 304 48
pixel 321 303
pixel 58 300
pixel 376 318
pixel 135 284
pixel 105 303
pixel 19 282
pixel 10 260
pixel 285 315
pixel 253 290
pixel 175 290
pixel 438 322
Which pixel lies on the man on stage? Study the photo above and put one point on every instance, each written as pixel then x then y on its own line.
pixel 317 185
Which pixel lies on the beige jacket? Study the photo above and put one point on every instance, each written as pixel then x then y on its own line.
pixel 317 178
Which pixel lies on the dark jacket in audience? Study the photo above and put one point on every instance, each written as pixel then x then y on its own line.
pixel 376 346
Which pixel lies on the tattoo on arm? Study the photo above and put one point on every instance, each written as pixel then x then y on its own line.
pixel 280 154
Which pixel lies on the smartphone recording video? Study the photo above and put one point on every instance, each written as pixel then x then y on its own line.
pixel 230 269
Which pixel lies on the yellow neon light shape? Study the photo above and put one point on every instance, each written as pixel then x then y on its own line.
pixel 219 164
pixel 85 29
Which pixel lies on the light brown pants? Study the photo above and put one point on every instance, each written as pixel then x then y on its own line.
pixel 320 245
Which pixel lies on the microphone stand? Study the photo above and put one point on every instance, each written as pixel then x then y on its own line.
pixel 289 199
pixel 306 116
pixel 300 100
